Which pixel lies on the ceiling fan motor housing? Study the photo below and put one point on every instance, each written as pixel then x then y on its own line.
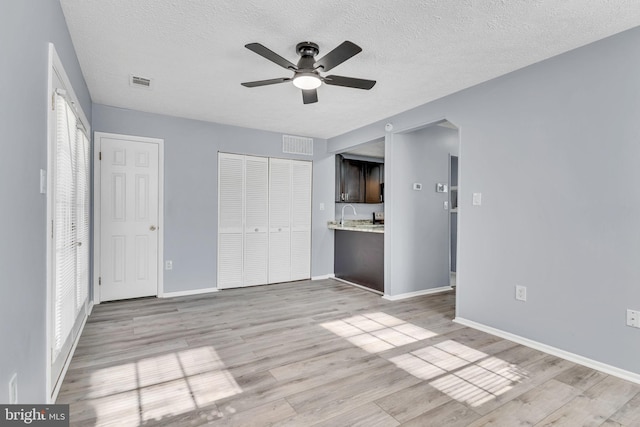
pixel 307 49
pixel 307 52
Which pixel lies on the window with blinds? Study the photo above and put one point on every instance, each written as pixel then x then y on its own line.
pixel 70 224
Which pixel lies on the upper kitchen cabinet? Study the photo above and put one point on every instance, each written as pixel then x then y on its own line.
pixel 374 173
pixel 351 186
pixel 359 181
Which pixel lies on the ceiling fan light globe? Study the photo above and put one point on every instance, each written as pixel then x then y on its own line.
pixel 307 81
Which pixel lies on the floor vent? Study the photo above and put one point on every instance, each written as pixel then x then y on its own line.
pixel 297 145
pixel 138 81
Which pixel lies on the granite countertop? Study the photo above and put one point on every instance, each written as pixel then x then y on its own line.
pixel 363 225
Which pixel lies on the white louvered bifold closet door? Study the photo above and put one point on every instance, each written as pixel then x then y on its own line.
pixel 300 220
pixel 230 220
pixel 264 220
pixel 279 220
pixel 70 226
pixel 256 237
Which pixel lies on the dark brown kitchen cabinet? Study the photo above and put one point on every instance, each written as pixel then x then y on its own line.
pixel 339 191
pixel 350 182
pixel 374 179
pixel 359 258
pixel 359 181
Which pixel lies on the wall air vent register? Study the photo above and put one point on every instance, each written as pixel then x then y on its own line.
pixel 297 145
pixel 141 82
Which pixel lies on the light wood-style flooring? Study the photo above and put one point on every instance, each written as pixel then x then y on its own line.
pixel 322 353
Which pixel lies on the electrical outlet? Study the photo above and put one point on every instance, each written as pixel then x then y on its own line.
pixel 521 293
pixel 321 206
pixel 633 318
pixel 168 265
pixel 13 389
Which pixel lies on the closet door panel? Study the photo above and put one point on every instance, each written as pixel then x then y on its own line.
pixel 230 220
pixel 300 220
pixel 256 237
pixel 279 220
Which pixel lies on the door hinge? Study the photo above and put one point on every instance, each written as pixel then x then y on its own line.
pixel 100 155
pixel 53 101
pixel 99 281
pixel 52 229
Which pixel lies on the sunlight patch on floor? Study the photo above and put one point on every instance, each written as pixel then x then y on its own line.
pixel 463 373
pixel 158 387
pixel 377 332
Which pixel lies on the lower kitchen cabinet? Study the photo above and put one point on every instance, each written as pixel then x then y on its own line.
pixel 359 258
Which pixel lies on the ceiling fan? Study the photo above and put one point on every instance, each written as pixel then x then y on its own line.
pixel 306 74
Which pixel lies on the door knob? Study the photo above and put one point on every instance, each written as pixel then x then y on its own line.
pixel 152 228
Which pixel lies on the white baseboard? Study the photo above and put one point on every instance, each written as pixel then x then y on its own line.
pixel 572 357
pixel 357 286
pixel 417 293
pixel 323 277
pixel 65 367
pixel 186 293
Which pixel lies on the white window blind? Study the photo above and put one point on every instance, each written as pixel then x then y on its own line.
pixel 82 217
pixel 71 221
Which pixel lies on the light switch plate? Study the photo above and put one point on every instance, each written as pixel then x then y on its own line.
pixel 633 318
pixel 43 181
pixel 477 199
pixel 417 186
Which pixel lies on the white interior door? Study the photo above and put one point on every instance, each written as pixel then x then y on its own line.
pixel 279 220
pixel 129 212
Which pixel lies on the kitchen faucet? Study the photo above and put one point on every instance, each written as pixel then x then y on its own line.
pixel 342 218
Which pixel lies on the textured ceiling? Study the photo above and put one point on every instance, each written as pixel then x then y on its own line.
pixel 417 50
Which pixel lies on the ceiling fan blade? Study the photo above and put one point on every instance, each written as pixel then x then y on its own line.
pixel 266 82
pixel 309 96
pixel 270 55
pixel 349 82
pixel 338 55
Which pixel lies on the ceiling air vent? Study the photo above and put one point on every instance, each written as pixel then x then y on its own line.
pixel 142 82
pixel 297 145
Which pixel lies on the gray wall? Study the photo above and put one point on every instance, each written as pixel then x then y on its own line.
pixel 26 28
pixel 554 150
pixel 191 182
pixel 416 223
pixel 363 210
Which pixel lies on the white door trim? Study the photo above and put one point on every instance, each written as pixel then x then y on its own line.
pixel 96 207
